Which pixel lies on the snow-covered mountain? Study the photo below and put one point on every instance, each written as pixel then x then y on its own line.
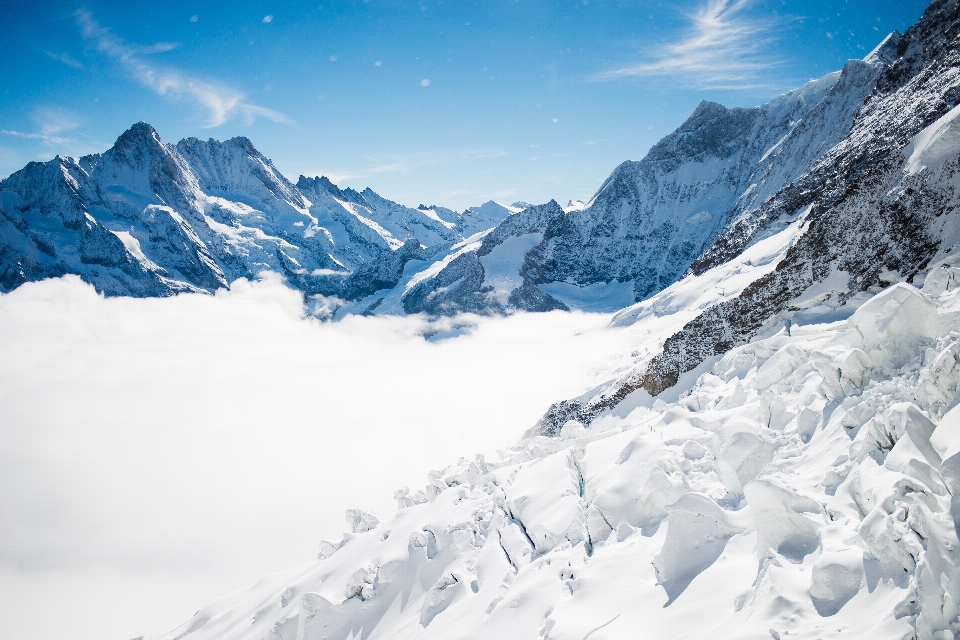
pixel 148 218
pixel 652 219
pixel 877 208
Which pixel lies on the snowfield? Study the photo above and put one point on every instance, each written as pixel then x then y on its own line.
pixel 802 487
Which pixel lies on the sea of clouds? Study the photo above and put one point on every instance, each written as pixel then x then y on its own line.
pixel 157 453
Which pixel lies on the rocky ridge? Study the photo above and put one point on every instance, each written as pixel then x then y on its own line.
pixel 878 207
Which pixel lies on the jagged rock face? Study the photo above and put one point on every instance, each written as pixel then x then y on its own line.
pixel 465 285
pixel 878 207
pixel 384 273
pixel 148 218
pixel 869 212
pixel 457 289
pixel 652 219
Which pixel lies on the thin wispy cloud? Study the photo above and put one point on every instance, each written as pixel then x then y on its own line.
pixel 221 101
pixel 34 136
pixel 52 122
pixel 65 58
pixel 723 48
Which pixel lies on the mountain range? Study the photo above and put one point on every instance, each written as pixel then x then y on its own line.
pixel 147 218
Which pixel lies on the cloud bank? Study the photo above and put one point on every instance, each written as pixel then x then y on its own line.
pixel 221 101
pixel 200 442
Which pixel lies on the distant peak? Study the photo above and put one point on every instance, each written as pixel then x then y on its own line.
pixel 139 133
pixel 885 52
pixel 423 207
pixel 322 182
pixel 243 142
pixel 706 107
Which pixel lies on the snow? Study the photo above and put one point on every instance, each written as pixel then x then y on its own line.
pixel 683 300
pixel 946 438
pixel 432 214
pixel 436 267
pixel 575 205
pixel 388 237
pixel 501 266
pixel 599 297
pixel 796 486
pixel 132 245
pixel 936 144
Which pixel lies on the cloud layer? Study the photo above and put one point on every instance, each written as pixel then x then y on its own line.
pixel 723 48
pixel 221 101
pixel 221 437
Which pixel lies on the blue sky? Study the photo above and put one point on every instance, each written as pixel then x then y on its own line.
pixel 450 103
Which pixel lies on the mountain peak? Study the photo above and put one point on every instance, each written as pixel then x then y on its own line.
pixel 322 182
pixel 707 107
pixel 886 51
pixel 139 134
pixel 243 143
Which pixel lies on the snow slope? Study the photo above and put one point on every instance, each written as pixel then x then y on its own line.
pixel 873 211
pixel 799 486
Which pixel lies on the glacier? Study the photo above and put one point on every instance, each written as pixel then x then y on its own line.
pixel 800 485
